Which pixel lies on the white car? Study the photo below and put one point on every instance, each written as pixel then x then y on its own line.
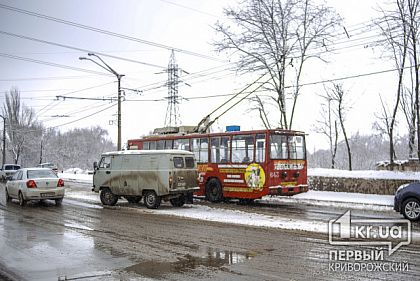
pixel 35 184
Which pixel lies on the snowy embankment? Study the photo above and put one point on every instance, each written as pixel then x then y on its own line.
pixel 364 174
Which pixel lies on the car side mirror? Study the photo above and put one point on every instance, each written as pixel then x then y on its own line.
pixel 95 165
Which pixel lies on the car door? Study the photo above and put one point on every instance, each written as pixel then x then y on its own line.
pixel 13 184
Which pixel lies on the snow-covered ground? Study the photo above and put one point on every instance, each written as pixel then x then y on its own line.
pixel 323 198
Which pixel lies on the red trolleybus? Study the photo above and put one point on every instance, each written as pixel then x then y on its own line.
pixel 242 164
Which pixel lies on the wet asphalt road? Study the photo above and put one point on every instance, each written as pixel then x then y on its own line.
pixel 81 240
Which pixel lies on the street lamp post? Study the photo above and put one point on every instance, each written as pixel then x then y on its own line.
pixel 4 140
pixel 119 76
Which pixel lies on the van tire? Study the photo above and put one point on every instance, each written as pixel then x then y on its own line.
pixel 214 191
pixel 178 201
pixel 151 200
pixel 107 197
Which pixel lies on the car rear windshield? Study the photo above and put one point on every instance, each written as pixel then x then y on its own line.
pixel 33 174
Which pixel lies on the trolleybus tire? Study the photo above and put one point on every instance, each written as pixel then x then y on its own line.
pixel 214 191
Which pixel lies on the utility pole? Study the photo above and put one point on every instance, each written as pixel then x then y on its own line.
pixel 4 140
pixel 105 66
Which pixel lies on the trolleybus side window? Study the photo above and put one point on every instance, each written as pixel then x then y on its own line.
pixel 200 149
pixel 297 147
pixel 278 145
pixel 169 144
pixel 243 149
pixel 219 151
pixel 145 145
pixel 160 144
pixel 183 144
pixel 152 145
pixel 260 148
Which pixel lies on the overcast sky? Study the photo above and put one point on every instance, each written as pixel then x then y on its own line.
pixel 186 25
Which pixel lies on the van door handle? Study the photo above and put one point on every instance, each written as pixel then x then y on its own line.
pixel 108 172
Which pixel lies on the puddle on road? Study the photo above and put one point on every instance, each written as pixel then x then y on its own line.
pixel 210 258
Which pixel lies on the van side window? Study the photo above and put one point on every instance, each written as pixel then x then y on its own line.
pixel 189 162
pixel 178 162
pixel 105 162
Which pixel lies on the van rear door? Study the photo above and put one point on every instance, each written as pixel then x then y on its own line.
pixel 185 173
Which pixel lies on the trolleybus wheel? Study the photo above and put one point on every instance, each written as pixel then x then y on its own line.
pixel 214 191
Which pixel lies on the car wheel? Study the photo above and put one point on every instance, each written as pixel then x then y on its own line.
pixel 133 199
pixel 411 209
pixel 178 202
pixel 22 201
pixel 8 198
pixel 107 197
pixel 58 201
pixel 214 191
pixel 151 200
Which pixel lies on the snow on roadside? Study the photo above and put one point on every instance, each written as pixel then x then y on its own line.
pixel 207 213
pixel 312 197
pixel 346 200
pixel 364 174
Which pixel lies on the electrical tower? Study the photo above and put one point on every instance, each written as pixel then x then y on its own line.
pixel 172 118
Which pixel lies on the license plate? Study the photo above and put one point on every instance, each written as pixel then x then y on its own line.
pixel 47 194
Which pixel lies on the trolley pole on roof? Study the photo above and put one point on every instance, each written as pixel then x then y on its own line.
pixel 105 66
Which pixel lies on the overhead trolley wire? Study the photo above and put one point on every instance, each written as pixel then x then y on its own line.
pixel 107 32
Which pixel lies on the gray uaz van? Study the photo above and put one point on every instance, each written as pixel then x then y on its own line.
pixel 154 175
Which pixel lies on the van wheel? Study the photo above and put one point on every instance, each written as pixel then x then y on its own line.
pixel 107 197
pixel 214 191
pixel 151 200
pixel 133 199
pixel 178 201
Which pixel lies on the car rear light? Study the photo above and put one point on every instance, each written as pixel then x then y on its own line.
pixel 31 184
pixel 60 183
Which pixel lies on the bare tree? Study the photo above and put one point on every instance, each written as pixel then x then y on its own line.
pixel 395 31
pixel 384 126
pixel 21 123
pixel 337 95
pixel 327 126
pixel 274 37
pixel 262 111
